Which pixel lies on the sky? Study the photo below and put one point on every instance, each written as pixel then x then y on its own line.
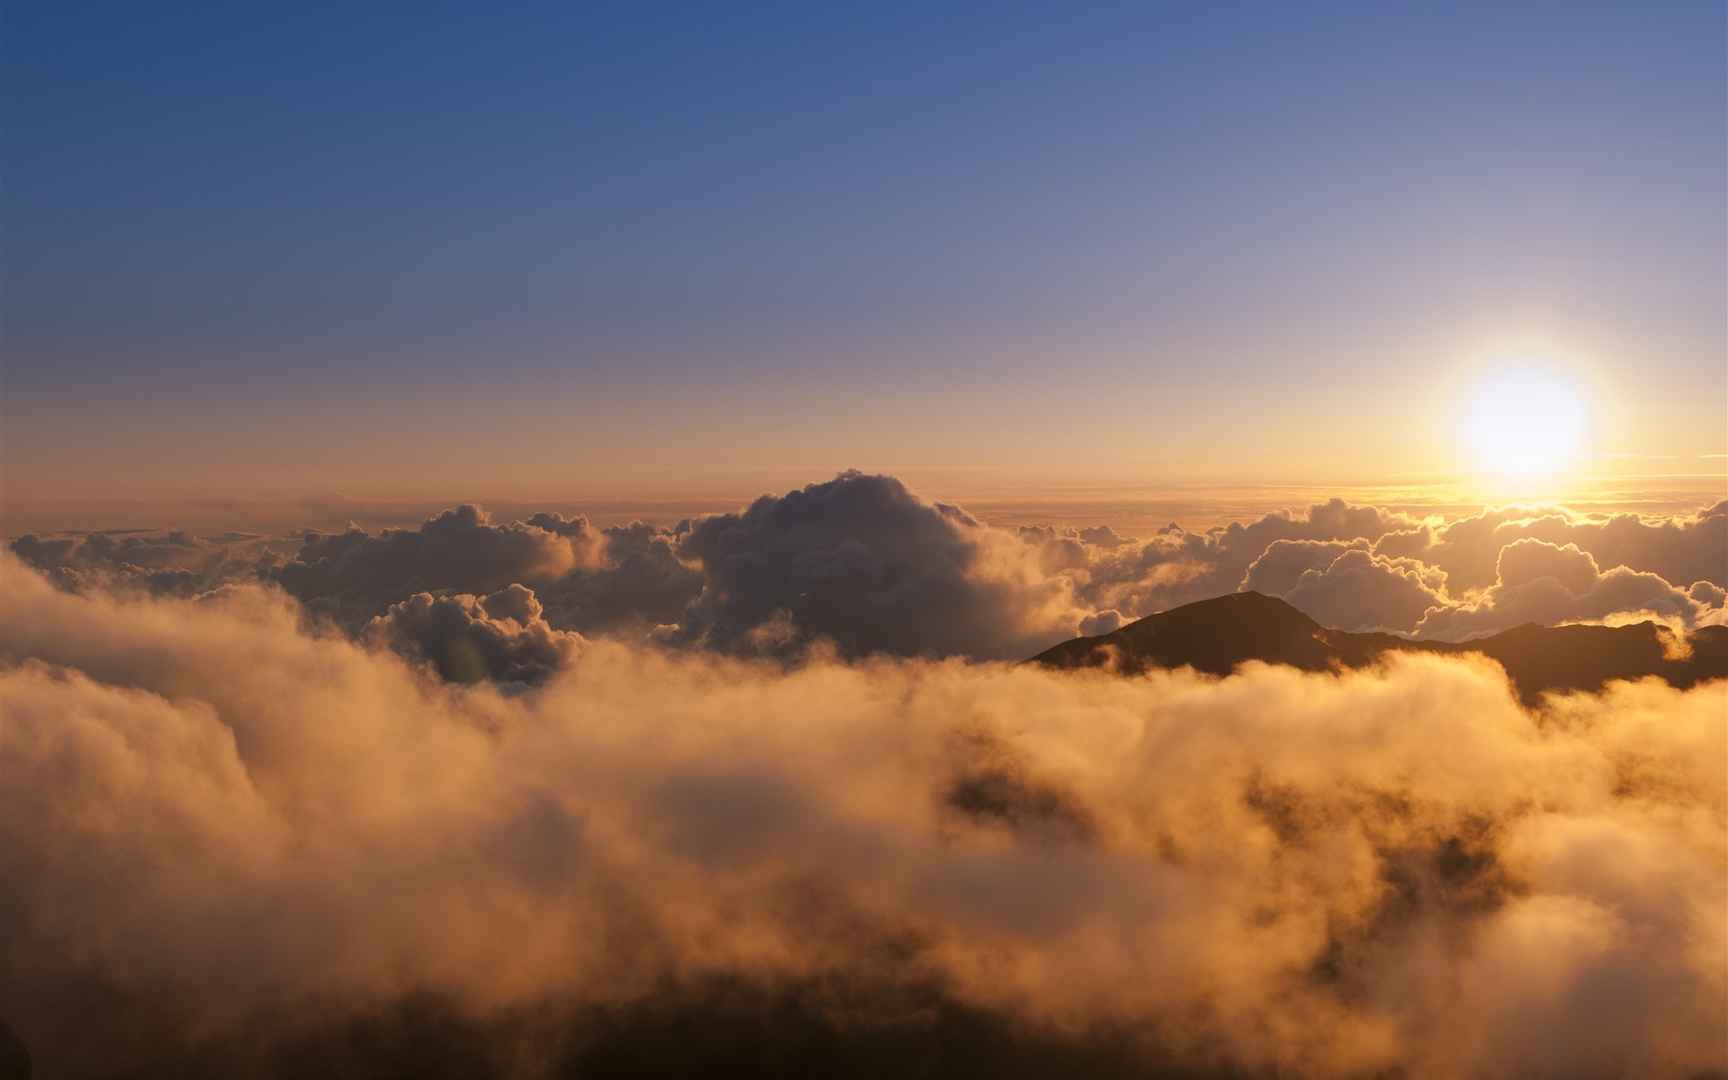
pixel 443 251
pixel 523 526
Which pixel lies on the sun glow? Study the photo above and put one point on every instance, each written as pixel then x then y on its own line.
pixel 1524 421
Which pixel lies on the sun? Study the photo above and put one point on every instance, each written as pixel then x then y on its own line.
pixel 1524 420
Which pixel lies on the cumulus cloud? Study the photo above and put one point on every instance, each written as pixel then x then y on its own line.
pixel 1680 549
pixel 1102 536
pixel 866 565
pixel 1177 567
pixel 1345 585
pixel 173 561
pixel 1540 582
pixel 1386 584
pixel 623 578
pixel 231 843
pixel 1359 590
pixel 1277 569
pixel 639 583
pixel 1104 622
pixel 1524 561
pixel 354 575
pixel 503 637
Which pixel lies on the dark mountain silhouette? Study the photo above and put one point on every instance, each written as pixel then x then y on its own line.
pixel 14 1056
pixel 1216 635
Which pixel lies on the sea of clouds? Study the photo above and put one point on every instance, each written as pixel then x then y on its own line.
pixel 867 567
pixel 536 799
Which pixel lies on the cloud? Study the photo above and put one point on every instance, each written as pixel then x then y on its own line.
pixel 1350 586
pixel 1102 536
pixel 1358 585
pixel 1358 590
pixel 1704 594
pixel 1540 582
pixel 1104 622
pixel 158 562
pixel 1680 549
pixel 1277 569
pixel 625 578
pixel 234 843
pixel 503 637
pixel 866 565
pixel 1176 567
pixel 640 582
pixel 355 575
pixel 1524 561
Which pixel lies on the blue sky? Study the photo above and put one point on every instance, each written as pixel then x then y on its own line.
pixel 235 227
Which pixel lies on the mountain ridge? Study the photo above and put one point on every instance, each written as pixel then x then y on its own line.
pixel 1216 635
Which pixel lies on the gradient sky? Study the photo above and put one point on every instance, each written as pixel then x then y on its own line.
pixel 562 248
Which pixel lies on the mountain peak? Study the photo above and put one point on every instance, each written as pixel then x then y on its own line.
pixel 1215 636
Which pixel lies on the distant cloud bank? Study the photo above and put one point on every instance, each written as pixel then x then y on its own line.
pixel 864 566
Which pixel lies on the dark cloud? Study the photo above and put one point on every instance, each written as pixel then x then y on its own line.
pixel 640 582
pixel 863 563
pixel 162 551
pixel 502 637
pixel 173 562
pixel 1103 622
pixel 993 786
pixel 621 579
pixel 355 575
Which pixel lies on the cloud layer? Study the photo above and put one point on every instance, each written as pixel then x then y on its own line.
pixel 249 838
pixel 865 566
